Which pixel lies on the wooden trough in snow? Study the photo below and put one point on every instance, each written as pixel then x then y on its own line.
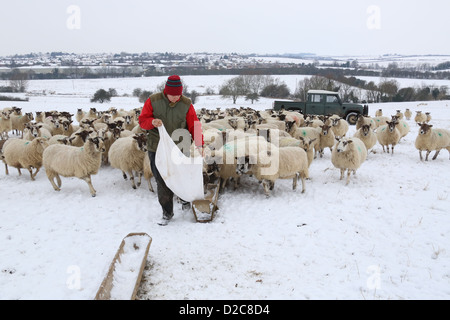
pixel 125 271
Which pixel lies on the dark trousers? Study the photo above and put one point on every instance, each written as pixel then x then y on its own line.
pixel 165 195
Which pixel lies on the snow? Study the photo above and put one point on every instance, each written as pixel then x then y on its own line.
pixel 384 236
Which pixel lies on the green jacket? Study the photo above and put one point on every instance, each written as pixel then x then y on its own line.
pixel 173 116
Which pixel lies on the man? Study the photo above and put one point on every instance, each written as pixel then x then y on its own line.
pixel 175 111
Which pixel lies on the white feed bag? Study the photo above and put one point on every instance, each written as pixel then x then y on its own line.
pixel 183 175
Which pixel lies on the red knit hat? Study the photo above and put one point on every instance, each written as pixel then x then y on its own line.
pixel 174 87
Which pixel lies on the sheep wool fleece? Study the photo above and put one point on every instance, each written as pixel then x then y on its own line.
pixel 172 115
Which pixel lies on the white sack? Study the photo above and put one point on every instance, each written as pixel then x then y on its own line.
pixel 182 175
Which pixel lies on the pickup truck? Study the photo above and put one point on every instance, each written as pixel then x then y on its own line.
pixel 321 102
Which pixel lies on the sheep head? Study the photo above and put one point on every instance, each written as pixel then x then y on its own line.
pixel 424 128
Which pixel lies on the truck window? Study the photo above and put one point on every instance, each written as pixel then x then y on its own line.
pixel 315 98
pixel 332 99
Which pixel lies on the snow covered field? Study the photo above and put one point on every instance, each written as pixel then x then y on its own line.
pixel 385 236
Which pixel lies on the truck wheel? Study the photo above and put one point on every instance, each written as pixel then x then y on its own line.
pixel 352 118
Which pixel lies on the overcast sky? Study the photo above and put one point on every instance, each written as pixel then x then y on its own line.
pixel 244 26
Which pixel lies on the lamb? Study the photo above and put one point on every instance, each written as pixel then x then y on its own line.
pixel 349 154
pixel 388 135
pixel 432 139
pixel 420 117
pixel 25 154
pixel 428 117
pixel 379 113
pixel 327 139
pixel 408 114
pixel 127 154
pixel 340 127
pixel 71 161
pixel 367 136
pixel 278 163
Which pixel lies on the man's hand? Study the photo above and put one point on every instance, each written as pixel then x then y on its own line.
pixel 157 123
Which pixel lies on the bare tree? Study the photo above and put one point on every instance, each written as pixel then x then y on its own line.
pixel 18 81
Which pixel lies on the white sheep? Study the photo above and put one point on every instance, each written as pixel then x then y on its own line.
pixel 18 122
pixel 224 159
pixel 428 114
pixel 430 139
pixel 327 139
pixel 367 136
pixel 399 115
pixel 408 114
pixel 348 154
pixel 380 121
pixel 35 130
pixel 420 117
pixel 402 126
pixel 379 113
pixel 24 154
pixel 340 127
pixel 277 163
pixel 69 161
pixel 305 132
pixel 388 135
pixel 362 120
pixel 5 124
pixel 127 154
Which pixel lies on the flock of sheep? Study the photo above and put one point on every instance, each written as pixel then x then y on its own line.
pixel 267 145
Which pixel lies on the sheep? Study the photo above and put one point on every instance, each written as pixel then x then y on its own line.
pixel 148 174
pixel 127 154
pixel 388 135
pixel 340 127
pixel 432 139
pixel 420 117
pixel 18 122
pixel 408 114
pixel 277 163
pixel 364 120
pixel 223 159
pixel 428 117
pixel 308 145
pixel 59 139
pixel 367 136
pixel 24 154
pixel 35 130
pixel 379 113
pixel 5 124
pixel 349 154
pixel 80 115
pixel 68 127
pixel 39 117
pixel 399 114
pixel 380 121
pixel 402 126
pixel 78 138
pixel 305 132
pixel 327 139
pixel 69 161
